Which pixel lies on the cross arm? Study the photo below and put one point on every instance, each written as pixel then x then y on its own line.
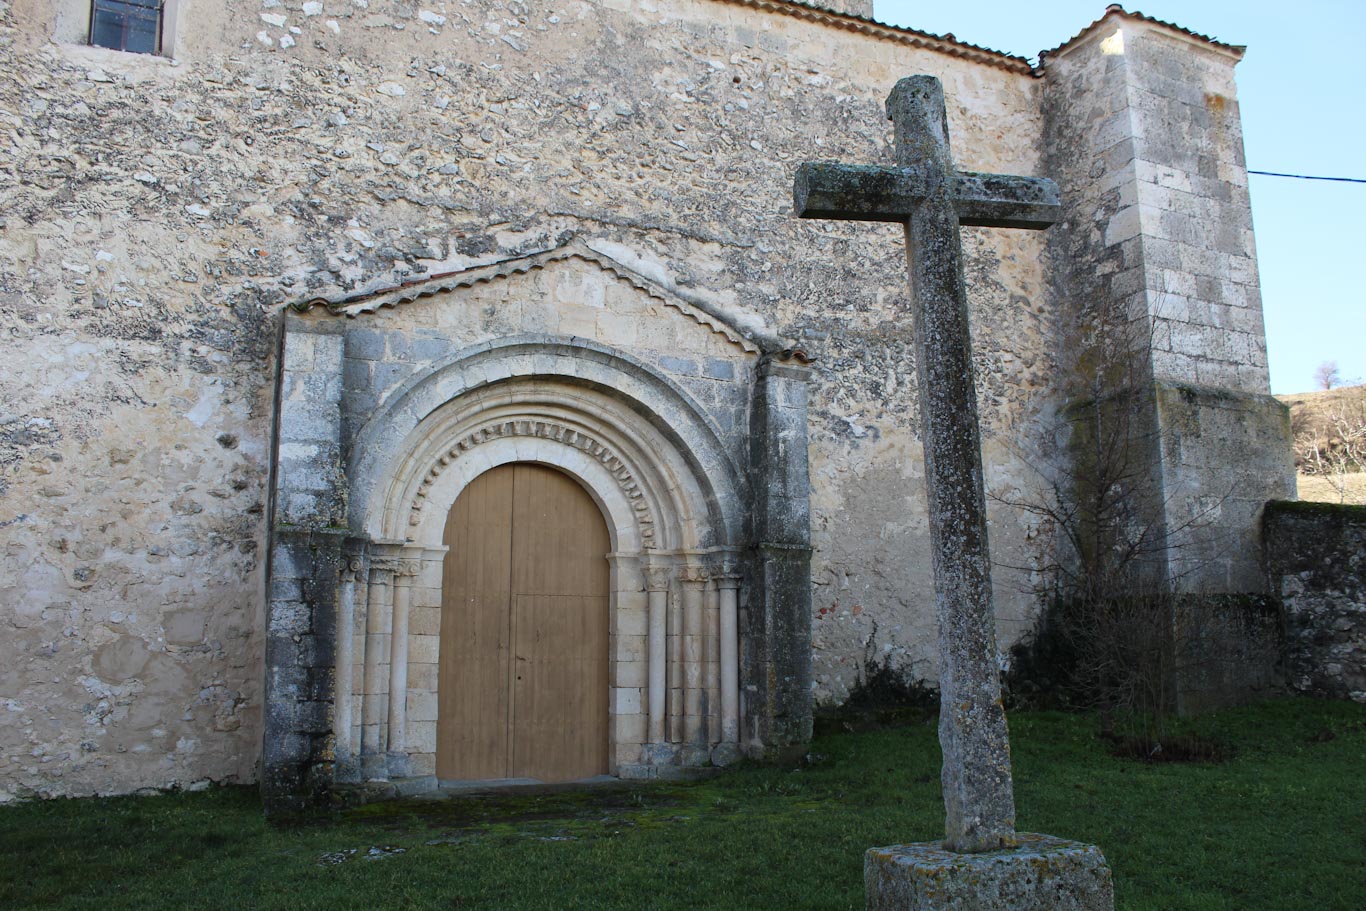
pixel 854 192
pixel 1005 201
pixel 878 193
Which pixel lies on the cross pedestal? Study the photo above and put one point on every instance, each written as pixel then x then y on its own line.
pixel 933 199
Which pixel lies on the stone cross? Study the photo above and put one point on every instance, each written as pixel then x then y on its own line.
pixel 933 199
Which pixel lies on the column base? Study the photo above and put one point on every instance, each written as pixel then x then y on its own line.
pixel 724 754
pixel 1041 873
pixel 374 767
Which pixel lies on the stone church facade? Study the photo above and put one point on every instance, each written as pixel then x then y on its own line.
pixel 293 306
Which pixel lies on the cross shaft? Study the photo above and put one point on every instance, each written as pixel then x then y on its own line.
pixel 932 199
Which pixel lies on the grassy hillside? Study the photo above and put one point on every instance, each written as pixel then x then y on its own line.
pixel 1329 428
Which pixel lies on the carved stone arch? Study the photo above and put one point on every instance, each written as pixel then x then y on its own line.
pixel 709 593
pixel 552 440
pixel 632 400
pixel 659 471
pixel 622 514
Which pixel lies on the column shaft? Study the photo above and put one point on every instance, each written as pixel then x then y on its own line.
pixel 711 701
pixel 398 665
pixel 730 662
pixel 693 731
pixel 344 747
pixel 675 638
pixel 658 661
pixel 376 655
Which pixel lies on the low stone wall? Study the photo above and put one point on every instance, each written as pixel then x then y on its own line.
pixel 1316 563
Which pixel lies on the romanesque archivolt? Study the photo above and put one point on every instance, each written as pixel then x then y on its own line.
pixel 546 430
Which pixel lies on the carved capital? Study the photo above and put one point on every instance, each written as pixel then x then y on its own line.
pixel 727 580
pixel 352 567
pixel 657 578
pixel 694 573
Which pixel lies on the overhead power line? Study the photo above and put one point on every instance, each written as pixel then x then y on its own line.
pixel 1309 177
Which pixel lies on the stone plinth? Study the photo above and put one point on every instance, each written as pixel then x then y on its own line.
pixel 1041 873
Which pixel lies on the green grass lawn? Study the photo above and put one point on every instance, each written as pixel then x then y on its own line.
pixel 1282 826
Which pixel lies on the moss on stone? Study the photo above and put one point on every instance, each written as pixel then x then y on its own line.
pixel 1342 512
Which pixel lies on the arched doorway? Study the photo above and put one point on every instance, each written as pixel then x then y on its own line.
pixel 523 676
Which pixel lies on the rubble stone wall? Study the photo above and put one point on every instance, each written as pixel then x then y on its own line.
pixel 1316 561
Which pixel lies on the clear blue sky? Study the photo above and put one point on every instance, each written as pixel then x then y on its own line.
pixel 1302 91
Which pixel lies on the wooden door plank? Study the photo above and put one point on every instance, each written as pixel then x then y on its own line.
pixel 561 692
pixel 560 601
pixel 473 701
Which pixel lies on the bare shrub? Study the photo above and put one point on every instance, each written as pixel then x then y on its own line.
pixel 1332 446
pixel 1109 635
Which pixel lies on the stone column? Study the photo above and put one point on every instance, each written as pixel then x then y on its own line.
pixel 405 572
pixel 711 701
pixel 728 585
pixel 693 578
pixel 657 584
pixel 345 750
pixel 374 704
pixel 359 624
pixel 675 663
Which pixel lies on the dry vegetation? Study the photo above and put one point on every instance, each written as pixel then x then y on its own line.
pixel 1329 429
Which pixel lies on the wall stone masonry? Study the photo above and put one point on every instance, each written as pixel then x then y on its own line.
pixel 1316 562
pixel 1158 269
pixel 162 427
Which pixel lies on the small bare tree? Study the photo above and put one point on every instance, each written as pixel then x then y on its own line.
pixel 1327 375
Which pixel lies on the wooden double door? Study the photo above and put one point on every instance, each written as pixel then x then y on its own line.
pixel 523 686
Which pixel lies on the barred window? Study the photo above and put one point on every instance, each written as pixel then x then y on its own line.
pixel 127 25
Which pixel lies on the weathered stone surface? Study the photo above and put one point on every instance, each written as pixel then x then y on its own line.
pixel 1040 873
pixel 297 759
pixel 778 662
pixel 1230 651
pixel 979 802
pixel 120 660
pixel 883 193
pixel 1316 563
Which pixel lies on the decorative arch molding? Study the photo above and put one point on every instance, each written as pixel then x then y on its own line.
pixel 644 419
pixel 554 431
